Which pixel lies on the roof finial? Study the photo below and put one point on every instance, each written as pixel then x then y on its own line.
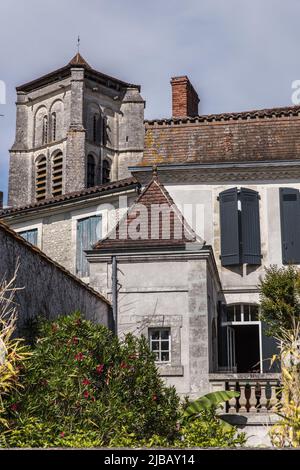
pixel 154 172
pixel 78 44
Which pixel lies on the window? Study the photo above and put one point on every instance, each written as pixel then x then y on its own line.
pixel 240 227
pixel 30 236
pixel 290 225
pixel 90 171
pixel 57 174
pixel 89 231
pixel 41 178
pixel 53 126
pixel 105 171
pixel 242 312
pixel 45 130
pixel 160 344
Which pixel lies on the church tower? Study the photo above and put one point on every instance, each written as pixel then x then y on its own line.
pixel 75 128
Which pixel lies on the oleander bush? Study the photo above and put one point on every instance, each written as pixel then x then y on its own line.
pixel 84 387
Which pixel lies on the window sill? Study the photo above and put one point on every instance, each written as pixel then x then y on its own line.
pixel 169 370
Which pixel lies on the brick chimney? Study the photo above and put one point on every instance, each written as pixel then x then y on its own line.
pixel 184 98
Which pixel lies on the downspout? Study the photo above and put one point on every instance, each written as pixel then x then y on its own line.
pixel 114 288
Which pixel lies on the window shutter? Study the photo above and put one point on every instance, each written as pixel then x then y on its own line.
pixel 290 225
pixel 229 224
pixel 87 236
pixel 250 227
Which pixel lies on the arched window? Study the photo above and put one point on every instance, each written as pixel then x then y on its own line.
pixel 41 178
pixel 91 171
pixel 45 130
pixel 105 171
pixel 57 174
pixel 53 126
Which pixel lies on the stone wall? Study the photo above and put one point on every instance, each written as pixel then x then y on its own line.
pixel 169 291
pixel 47 288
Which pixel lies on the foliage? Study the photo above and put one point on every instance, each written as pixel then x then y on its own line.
pixel 280 300
pixel 12 351
pixel 207 430
pixel 280 305
pixel 208 401
pixel 81 376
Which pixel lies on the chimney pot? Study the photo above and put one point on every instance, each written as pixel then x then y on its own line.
pixel 185 99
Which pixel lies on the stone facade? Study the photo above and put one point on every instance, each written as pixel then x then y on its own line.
pixel 79 112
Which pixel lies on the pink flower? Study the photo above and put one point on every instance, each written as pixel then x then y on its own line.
pixel 99 368
pixel 86 394
pixel 75 340
pixel 86 382
pixel 154 397
pixel 62 434
pixel 79 356
pixel 14 407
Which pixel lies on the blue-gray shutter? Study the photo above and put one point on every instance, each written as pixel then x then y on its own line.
pixel 229 225
pixel 30 236
pixel 250 227
pixel 290 225
pixel 88 233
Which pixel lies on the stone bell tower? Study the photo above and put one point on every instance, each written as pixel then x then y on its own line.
pixel 75 128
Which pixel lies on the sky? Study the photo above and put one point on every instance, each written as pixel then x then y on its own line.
pixel 239 54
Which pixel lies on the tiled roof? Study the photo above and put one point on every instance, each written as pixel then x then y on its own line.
pixel 37 251
pixel 153 229
pixel 69 197
pixel 63 72
pixel 79 60
pixel 260 135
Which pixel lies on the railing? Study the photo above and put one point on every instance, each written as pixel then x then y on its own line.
pixel 259 393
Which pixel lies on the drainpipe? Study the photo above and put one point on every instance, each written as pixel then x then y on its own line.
pixel 114 278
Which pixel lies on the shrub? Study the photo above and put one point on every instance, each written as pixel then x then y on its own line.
pixel 81 376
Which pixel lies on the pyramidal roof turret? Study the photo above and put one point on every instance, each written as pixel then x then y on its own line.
pixel 79 61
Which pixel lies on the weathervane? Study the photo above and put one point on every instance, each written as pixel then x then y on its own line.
pixel 78 43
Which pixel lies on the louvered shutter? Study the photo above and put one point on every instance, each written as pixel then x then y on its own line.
pixel 250 227
pixel 229 225
pixel 88 233
pixel 290 225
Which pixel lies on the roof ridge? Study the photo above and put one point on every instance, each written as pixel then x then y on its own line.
pixel 260 113
pixel 74 194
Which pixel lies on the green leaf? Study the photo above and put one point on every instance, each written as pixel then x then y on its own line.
pixel 206 402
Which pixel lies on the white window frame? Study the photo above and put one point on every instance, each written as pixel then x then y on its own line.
pixel 159 341
pixel 243 322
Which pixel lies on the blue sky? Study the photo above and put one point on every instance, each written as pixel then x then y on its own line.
pixel 238 54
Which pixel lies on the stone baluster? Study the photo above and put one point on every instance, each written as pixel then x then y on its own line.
pixel 273 403
pixel 243 400
pixel 232 403
pixel 252 399
pixel 263 404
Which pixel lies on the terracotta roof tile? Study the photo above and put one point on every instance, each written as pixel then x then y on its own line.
pixel 169 229
pixel 261 135
pixel 69 197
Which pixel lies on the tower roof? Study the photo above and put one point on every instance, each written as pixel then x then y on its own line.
pixel 78 60
pixel 64 72
pixel 145 226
